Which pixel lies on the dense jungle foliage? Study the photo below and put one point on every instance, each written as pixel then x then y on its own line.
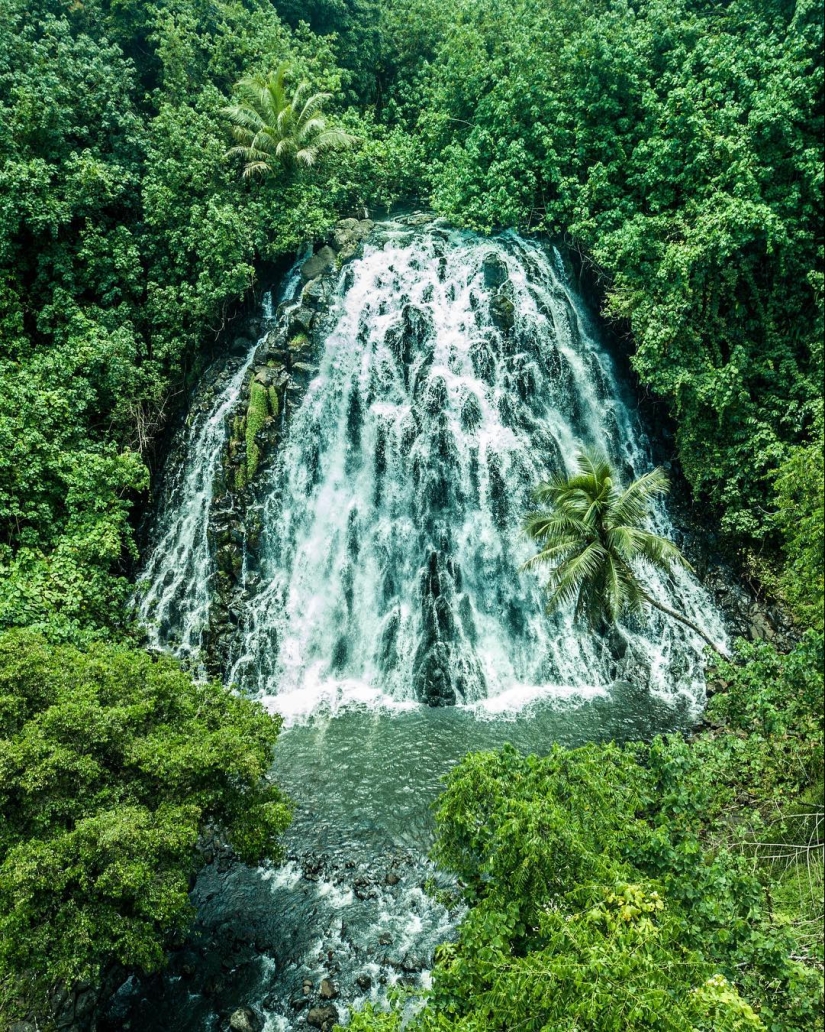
pixel 112 763
pixel 677 145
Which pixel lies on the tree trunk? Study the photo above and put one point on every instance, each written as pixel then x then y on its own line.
pixel 688 623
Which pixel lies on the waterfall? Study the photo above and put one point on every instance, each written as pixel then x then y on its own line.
pixel 175 585
pixel 456 373
pixel 382 572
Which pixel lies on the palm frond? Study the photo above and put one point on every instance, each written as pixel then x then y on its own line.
pixel 592 536
pixel 545 526
pixel 658 551
pixel 266 119
pixel 566 579
pixel 592 463
pixel 632 507
pixel 311 106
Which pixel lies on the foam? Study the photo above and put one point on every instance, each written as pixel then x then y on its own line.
pixel 329 697
pixel 520 697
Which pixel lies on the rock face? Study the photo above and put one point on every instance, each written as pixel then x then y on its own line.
pixel 348 234
pixel 445 669
pixel 318 264
pixel 324 1018
pixel 495 271
pixel 244 1019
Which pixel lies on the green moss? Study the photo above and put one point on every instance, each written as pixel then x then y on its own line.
pixel 300 340
pixel 274 405
pixel 256 416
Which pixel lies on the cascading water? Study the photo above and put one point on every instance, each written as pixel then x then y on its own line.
pixel 458 372
pixel 454 373
pixel 177 579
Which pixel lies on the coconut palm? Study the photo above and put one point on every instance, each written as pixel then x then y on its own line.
pixel 592 535
pixel 273 127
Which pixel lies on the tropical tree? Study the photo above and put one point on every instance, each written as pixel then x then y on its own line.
pixel 593 536
pixel 273 127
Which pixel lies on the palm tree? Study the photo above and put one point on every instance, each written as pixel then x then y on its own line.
pixel 592 535
pixel 273 127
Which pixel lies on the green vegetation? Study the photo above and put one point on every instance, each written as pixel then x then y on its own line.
pixel 112 764
pixel 677 146
pixel 624 888
pixel 273 129
pixel 126 240
pixel 593 537
pixel 256 416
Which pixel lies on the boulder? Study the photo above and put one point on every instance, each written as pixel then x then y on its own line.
pixel 348 234
pixel 314 294
pixel 761 627
pixel 418 218
pixel 318 264
pixel 301 320
pixel 327 990
pixel 244 1019
pixel 495 270
pixel 324 1017
pixel 502 312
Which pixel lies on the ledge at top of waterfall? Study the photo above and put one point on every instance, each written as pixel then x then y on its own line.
pixel 454 373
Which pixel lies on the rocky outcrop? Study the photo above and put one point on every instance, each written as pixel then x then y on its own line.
pixel 324 1017
pixel 445 667
pixel 318 264
pixel 244 1019
pixel 347 236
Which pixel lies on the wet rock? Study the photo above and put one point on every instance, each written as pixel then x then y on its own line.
pixel 324 1017
pixel 265 375
pixel 327 990
pixel 761 626
pixel 213 986
pixel 244 1019
pixel 348 234
pixel 471 415
pixel 22 1026
pixel 301 321
pixel 418 218
pixel 385 939
pixel 392 878
pixel 314 295
pixel 495 270
pixel 363 889
pixel 502 312
pixel 318 264
pixel 364 982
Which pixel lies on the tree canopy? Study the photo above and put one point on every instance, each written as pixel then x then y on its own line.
pixel 112 764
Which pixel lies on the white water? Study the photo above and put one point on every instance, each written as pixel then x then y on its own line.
pixel 175 584
pixel 388 565
pixel 391 544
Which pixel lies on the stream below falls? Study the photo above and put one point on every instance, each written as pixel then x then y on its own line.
pixel 382 612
